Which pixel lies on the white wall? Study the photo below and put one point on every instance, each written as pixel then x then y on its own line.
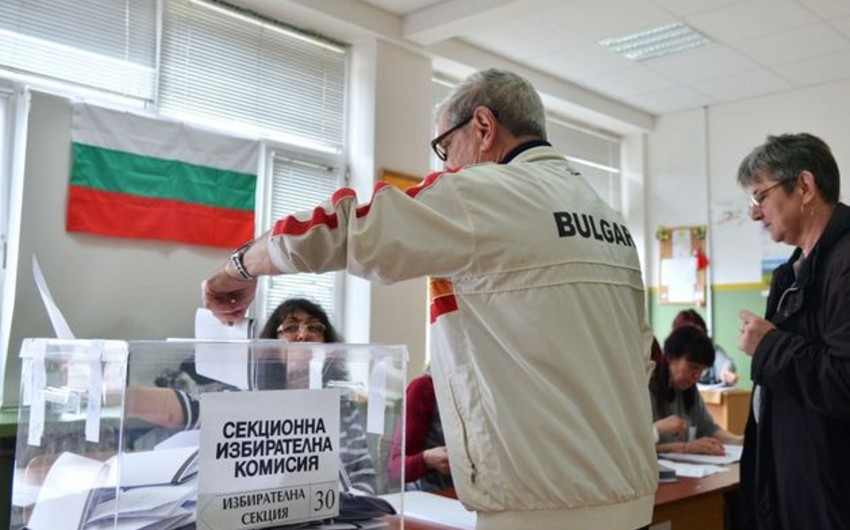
pixel 106 287
pixel 391 119
pixel 693 160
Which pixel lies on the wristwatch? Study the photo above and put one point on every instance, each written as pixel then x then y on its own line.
pixel 236 261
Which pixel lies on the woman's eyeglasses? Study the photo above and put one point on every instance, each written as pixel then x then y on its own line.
pixel 758 197
pixel 292 329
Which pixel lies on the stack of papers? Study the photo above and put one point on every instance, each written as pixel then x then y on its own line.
pixel 691 470
pixel 156 490
pixel 733 454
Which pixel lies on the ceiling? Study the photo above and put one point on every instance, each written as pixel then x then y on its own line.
pixel 759 46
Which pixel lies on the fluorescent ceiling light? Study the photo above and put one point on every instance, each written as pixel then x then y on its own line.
pixel 656 42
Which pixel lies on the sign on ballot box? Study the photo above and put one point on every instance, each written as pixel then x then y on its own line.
pixel 268 458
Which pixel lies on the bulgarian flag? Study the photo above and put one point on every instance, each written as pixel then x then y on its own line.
pixel 139 177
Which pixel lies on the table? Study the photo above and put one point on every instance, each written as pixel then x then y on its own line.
pixel 696 504
pixel 729 407
pixel 688 504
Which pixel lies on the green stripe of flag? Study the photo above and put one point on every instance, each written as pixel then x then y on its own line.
pixel 122 172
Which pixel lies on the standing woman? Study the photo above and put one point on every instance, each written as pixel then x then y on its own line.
pixel 795 470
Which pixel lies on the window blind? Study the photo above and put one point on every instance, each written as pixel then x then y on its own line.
pixel 298 185
pixel 105 44
pixel 235 69
pixel 240 68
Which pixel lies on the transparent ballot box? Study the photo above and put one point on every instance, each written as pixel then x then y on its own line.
pixel 207 435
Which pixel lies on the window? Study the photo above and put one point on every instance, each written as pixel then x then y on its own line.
pixel 234 69
pixel 104 44
pixel 5 172
pixel 297 184
pixel 595 154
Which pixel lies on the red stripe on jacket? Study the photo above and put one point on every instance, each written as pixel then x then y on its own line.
pixel 291 225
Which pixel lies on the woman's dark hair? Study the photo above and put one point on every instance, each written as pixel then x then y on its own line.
pixel 294 305
pixel 689 317
pixel 690 343
pixel 275 373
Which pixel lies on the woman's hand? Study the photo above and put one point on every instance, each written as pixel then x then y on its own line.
pixel 672 424
pixel 437 458
pixel 704 446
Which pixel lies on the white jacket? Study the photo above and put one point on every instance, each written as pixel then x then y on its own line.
pixel 540 344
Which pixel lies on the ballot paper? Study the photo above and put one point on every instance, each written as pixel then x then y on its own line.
pixel 212 361
pixel 84 493
pixel 692 470
pixel 733 454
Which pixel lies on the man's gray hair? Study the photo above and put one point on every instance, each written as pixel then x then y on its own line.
pixel 511 98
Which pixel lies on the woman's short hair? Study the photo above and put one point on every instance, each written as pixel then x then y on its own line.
pixel 292 306
pixel 784 157
pixel 689 317
pixel 511 98
pixel 691 343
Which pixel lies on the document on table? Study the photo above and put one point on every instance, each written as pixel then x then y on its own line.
pixel 692 470
pixel 424 506
pixel 733 454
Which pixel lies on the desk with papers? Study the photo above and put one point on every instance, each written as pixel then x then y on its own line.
pixel 687 504
pixel 695 503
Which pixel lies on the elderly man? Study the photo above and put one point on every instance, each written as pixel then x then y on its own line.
pixel 540 347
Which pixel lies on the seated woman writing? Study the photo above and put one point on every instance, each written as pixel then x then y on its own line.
pixel 673 391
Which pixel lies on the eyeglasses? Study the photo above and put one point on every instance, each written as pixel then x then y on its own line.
pixel 293 328
pixel 758 197
pixel 437 143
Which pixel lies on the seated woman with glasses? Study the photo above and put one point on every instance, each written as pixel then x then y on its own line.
pixel 294 320
pixel 673 391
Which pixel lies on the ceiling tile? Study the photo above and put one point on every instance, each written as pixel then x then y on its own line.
pixel 704 63
pixel 828 9
pixel 818 70
pixel 597 20
pixel 750 19
pixel 581 62
pixel 671 100
pixel 795 44
pixel 742 86
pixel 690 7
pixel 628 82
pixel 525 38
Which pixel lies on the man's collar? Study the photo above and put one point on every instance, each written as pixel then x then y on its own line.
pixel 523 147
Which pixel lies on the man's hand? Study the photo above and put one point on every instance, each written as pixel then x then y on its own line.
pixel 753 329
pixel 227 297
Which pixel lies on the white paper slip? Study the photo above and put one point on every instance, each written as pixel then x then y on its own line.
pixel 434 508
pixel 65 493
pixel 148 468
pixel 155 501
pixel 692 470
pixel 733 454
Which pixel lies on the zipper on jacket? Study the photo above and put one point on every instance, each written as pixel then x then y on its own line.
pixel 791 289
pixel 473 472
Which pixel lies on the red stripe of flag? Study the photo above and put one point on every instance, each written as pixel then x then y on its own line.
pixel 123 215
